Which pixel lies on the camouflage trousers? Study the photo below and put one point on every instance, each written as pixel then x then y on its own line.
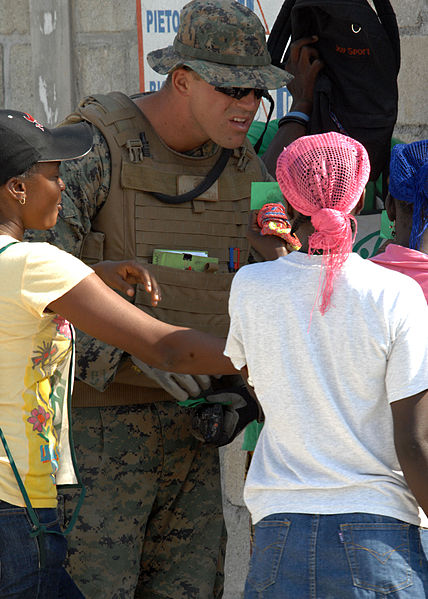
pixel 151 525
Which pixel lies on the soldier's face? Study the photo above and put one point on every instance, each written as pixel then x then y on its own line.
pixel 219 117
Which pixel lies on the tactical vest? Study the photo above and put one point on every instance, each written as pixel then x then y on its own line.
pixel 133 223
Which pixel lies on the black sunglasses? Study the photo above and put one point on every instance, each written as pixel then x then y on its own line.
pixel 240 92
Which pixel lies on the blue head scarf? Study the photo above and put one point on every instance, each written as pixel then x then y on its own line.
pixel 408 182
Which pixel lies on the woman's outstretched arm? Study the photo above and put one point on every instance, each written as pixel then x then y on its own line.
pixel 98 311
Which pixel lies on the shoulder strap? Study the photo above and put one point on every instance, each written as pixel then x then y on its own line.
pixel 388 19
pixel 280 33
pixel 8 245
pixel 259 142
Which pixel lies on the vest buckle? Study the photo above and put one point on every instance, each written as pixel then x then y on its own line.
pixel 243 159
pixel 135 150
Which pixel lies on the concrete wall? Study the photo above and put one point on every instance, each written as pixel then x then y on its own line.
pixel 53 52
pixel 412 16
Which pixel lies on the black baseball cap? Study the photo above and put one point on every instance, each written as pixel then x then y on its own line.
pixel 24 141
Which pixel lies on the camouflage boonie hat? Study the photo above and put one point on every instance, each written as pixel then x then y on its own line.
pixel 225 43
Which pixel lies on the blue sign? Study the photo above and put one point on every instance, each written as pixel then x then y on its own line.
pixel 248 3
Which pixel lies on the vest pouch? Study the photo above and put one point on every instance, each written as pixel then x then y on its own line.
pixel 190 299
pixel 92 250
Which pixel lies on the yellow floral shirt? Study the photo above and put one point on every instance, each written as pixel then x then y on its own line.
pixel 35 362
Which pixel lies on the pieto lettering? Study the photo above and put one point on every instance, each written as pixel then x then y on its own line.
pixel 162 21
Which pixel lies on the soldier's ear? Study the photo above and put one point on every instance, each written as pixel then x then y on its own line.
pixel 181 80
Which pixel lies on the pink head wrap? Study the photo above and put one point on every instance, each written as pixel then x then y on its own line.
pixel 323 176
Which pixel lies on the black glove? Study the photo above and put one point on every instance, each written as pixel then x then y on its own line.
pixel 225 416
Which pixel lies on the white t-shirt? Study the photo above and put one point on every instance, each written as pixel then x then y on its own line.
pixel 327 443
pixel 35 352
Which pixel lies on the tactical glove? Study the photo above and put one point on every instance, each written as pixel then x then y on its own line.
pixel 180 386
pixel 226 414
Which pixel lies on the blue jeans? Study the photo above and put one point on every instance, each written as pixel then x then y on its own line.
pixel 340 556
pixel 32 567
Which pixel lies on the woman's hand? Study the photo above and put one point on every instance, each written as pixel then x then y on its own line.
pixel 122 275
pixel 305 64
pixel 270 247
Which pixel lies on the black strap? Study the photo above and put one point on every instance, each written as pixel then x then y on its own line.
pixel 280 33
pixel 387 17
pixel 211 177
pixel 258 143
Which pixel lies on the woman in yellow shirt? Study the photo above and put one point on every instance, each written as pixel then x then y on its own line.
pixel 42 289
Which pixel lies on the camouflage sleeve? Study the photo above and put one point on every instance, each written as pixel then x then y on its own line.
pixel 87 182
pixel 96 362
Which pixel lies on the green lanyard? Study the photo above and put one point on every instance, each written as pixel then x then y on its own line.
pixel 8 245
pixel 40 529
pixel 37 527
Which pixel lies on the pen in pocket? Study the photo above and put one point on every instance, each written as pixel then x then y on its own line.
pixel 232 265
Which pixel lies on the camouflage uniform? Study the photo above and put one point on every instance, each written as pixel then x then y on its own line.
pixel 152 521
pixel 153 492
pixel 158 510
